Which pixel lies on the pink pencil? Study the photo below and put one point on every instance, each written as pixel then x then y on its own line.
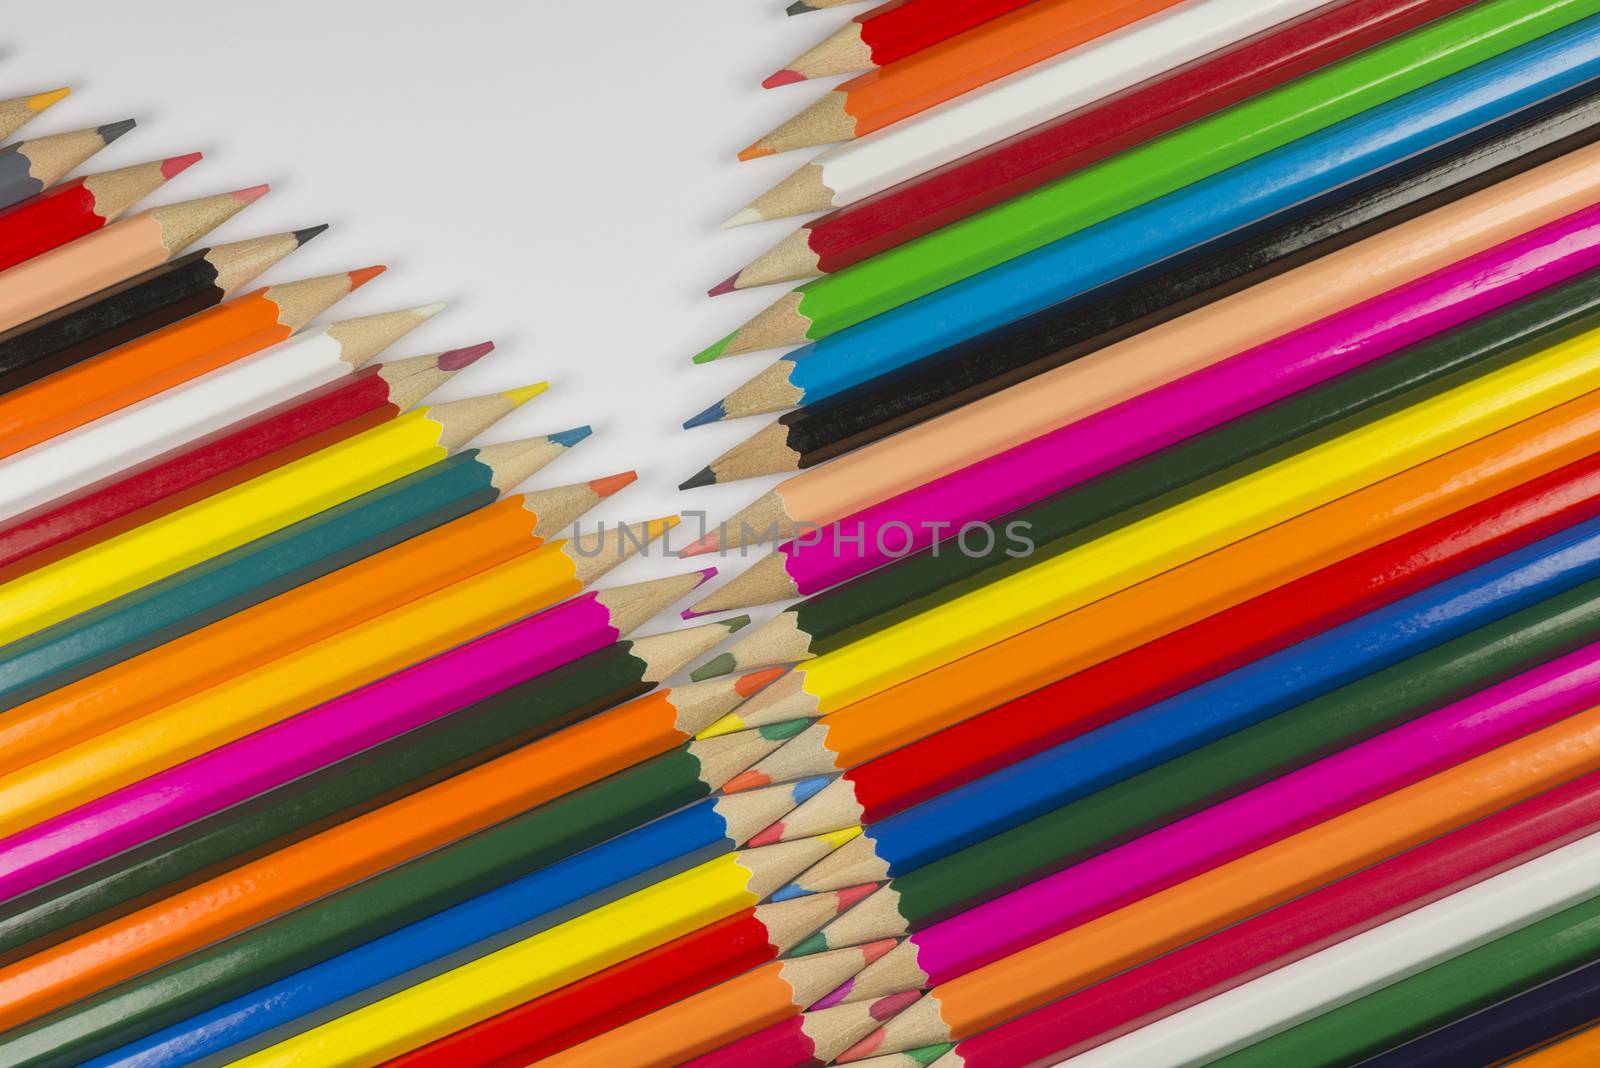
pixel 330 732
pixel 1054 462
pixel 1269 813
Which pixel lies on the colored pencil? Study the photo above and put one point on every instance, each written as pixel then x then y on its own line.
pixel 1159 73
pixel 21 110
pixel 596 1008
pixel 408 700
pixel 824 621
pixel 232 454
pixel 1399 886
pixel 325 574
pixel 1038 594
pixel 138 306
pixel 1501 1031
pixel 998 924
pixel 528 905
pixel 140 369
pixel 124 439
pixel 1302 108
pixel 1168 792
pixel 458 756
pixel 815 1038
pixel 983 494
pixel 503 880
pixel 1252 884
pixel 1007 44
pixel 547 961
pixel 1186 595
pixel 1401 979
pixel 1572 1052
pixel 253 509
pixel 112 255
pixel 1208 334
pixel 893 403
pixel 300 872
pixel 80 206
pixel 801 7
pixel 1243 698
pixel 30 167
pixel 888 33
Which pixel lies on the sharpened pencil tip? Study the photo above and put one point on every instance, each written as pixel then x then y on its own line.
pixel 568 438
pixel 852 896
pixel 113 130
pixel 715 668
pixel 523 394
pixel 613 484
pixel 713 352
pixel 173 166
pixel 743 217
pixel 707 544
pixel 756 681
pixel 251 195
pixel 745 780
pixel 735 623
pixel 456 359
pixel 789 893
pixel 727 285
pixel 783 77
pixel 799 7
pixel 729 724
pixel 714 414
pixel 310 233
pixel 39 101
pixel 704 477
pixel 756 151
pixel 361 277
pixel 809 946
pixel 706 575
pixel 428 311
pixel 771 836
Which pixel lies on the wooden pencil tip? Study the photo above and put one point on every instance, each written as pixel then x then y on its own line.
pixel 613 484
pixel 756 151
pixel 707 544
pixel 568 438
pixel 715 668
pixel 783 77
pixel 523 394
pixel 727 285
pixel 361 277
pixel 771 836
pixel 251 195
pixel 309 233
pixel 39 101
pixel 173 166
pixel 113 130
pixel 756 681
pixel 457 359
pixel 713 352
pixel 799 7
pixel 745 780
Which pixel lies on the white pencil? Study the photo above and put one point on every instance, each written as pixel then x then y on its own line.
pixel 1370 961
pixel 116 443
pixel 857 169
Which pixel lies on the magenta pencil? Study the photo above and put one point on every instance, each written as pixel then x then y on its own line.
pixel 327 733
pixel 1336 784
pixel 1056 461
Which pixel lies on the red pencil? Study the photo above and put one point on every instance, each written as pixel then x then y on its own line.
pixel 889 32
pixel 1074 141
pixel 81 206
pixel 1274 939
pixel 1204 650
pixel 293 429
pixel 632 989
pixel 809 1041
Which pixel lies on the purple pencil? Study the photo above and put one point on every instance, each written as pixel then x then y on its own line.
pixel 1054 462
pixel 339 728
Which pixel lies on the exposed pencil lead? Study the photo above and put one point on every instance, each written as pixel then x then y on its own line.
pixel 456 359
pixel 716 667
pixel 613 484
pixel 308 234
pixel 712 352
pixel 569 438
pixel 113 130
pixel 173 166
pixel 782 77
pixel 743 217
pixel 252 194
pixel 704 477
pixel 727 285
pixel 361 276
pixel 714 414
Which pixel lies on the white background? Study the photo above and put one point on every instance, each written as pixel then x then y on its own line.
pixel 556 169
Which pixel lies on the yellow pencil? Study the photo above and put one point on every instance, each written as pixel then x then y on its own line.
pixel 19 111
pixel 269 502
pixel 1180 534
pixel 336 665
pixel 551 959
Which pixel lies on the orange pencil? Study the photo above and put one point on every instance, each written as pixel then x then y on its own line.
pixel 111 254
pixel 292 621
pixel 1132 617
pixel 169 357
pixel 291 877
pixel 953 67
